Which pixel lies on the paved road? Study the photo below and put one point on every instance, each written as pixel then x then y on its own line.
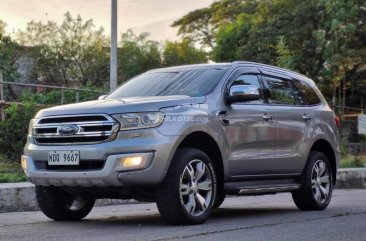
pixel 272 217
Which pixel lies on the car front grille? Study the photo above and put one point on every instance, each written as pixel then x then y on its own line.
pixel 82 129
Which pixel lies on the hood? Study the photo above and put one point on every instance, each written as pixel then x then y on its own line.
pixel 124 105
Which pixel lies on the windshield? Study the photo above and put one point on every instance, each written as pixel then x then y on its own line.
pixel 194 83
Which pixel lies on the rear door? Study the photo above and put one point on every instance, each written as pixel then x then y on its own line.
pixel 293 120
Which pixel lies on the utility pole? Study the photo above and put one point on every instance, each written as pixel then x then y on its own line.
pixel 2 99
pixel 113 60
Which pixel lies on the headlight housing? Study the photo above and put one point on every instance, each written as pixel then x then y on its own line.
pixel 30 126
pixel 132 121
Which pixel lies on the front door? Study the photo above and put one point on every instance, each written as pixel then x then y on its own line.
pixel 251 131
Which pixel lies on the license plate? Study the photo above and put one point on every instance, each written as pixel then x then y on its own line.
pixel 63 158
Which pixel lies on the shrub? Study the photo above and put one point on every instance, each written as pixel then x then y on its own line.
pixel 13 130
pixel 344 147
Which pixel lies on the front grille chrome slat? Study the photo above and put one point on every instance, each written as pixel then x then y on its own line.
pixel 88 129
pixel 56 135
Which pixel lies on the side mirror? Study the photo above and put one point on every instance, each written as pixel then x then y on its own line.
pixel 101 97
pixel 239 93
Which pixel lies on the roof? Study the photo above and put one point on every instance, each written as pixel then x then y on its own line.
pixel 192 67
pixel 234 64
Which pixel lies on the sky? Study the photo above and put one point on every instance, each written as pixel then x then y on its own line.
pixel 153 16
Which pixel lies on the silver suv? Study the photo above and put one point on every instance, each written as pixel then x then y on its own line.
pixel 185 137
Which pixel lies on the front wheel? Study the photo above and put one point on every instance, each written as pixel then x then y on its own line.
pixel 317 184
pixel 60 205
pixel 187 193
pixel 220 198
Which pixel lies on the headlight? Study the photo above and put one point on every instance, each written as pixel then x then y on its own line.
pixel 130 121
pixel 30 126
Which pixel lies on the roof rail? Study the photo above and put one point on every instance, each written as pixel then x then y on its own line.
pixel 269 66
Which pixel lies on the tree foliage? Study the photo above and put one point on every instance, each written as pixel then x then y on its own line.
pixel 13 130
pixel 323 39
pixel 75 53
pixel 201 25
pixel 136 55
pixel 182 52
pixel 8 55
pixel 72 53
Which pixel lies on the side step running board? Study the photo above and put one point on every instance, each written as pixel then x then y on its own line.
pixel 258 190
pixel 261 186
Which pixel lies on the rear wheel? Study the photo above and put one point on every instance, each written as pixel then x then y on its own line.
pixel 60 205
pixel 317 184
pixel 187 194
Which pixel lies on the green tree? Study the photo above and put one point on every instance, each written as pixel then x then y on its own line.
pixel 182 52
pixel 201 25
pixel 8 58
pixel 322 39
pixel 197 25
pixel 136 55
pixel 72 53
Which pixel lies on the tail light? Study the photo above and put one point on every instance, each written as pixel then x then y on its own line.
pixel 336 120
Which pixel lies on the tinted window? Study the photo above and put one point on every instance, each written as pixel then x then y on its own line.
pixel 249 79
pixel 307 93
pixel 194 83
pixel 281 92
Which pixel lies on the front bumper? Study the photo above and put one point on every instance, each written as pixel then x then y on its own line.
pixel 158 147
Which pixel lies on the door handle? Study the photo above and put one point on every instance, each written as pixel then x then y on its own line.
pixel 305 117
pixel 267 117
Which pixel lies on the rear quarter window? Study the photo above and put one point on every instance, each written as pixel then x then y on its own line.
pixel 307 92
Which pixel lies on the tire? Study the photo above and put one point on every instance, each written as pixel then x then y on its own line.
pixel 220 198
pixel 60 205
pixel 316 185
pixel 187 194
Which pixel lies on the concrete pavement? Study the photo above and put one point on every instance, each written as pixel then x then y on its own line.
pixel 271 217
pixel 21 196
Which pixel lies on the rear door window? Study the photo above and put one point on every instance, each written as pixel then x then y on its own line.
pixel 281 92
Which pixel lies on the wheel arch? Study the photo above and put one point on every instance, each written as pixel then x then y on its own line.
pixel 326 148
pixel 206 143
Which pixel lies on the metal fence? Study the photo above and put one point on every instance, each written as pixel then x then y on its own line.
pixel 357 148
pixel 4 103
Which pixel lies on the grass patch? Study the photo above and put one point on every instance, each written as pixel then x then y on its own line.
pixel 12 177
pixel 353 161
pixel 11 172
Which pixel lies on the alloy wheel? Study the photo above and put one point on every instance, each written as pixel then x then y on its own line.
pixel 320 181
pixel 196 187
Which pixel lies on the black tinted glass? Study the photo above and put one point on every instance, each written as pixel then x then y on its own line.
pixel 194 83
pixel 247 79
pixel 307 93
pixel 281 92
pixel 250 79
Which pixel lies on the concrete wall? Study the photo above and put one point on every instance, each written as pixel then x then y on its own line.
pixel 17 197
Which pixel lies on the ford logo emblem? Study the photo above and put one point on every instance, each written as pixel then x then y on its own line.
pixel 67 130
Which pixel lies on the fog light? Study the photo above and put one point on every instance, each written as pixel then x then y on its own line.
pixel 23 163
pixel 133 161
